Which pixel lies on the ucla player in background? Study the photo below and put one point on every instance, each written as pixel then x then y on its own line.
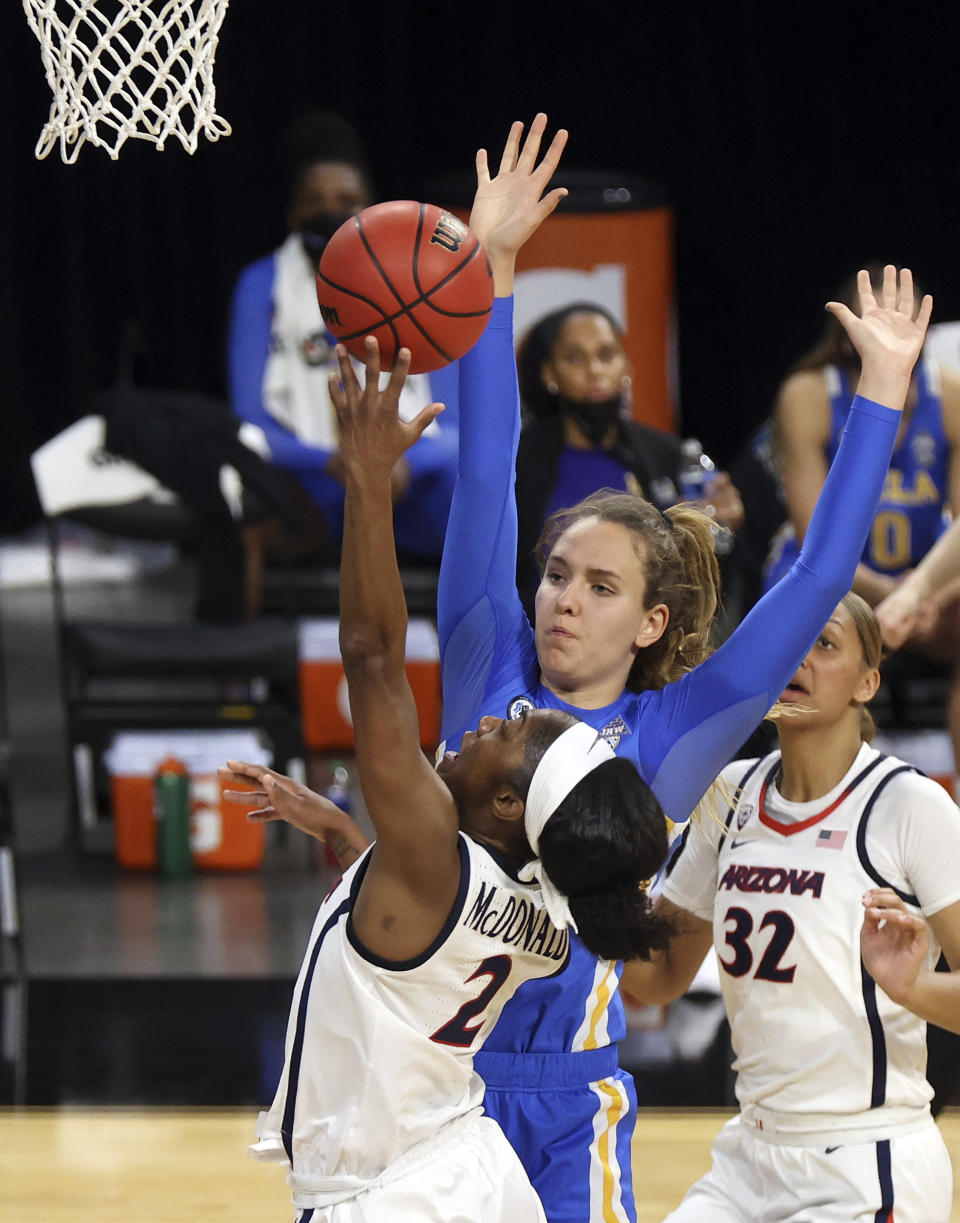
pixel 828 1027
pixel 923 480
pixel 423 939
pixel 622 621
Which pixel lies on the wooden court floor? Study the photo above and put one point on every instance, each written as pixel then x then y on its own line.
pixel 118 1166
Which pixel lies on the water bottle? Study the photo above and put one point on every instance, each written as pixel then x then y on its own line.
pixel 696 477
pixel 338 792
pixel 171 792
pixel 696 470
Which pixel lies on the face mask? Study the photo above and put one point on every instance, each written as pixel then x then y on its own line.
pixel 593 419
pixel 317 230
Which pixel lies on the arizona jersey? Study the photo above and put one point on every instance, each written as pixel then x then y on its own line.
pixel 911 515
pixel 379 1055
pixel 817 1044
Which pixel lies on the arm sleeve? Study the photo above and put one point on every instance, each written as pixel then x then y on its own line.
pixel 699 722
pixel 482 626
pixel 248 345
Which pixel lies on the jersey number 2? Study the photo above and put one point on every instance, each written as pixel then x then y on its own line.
pixel 769 968
pixel 455 1031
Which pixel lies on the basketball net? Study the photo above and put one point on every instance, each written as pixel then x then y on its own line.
pixel 122 69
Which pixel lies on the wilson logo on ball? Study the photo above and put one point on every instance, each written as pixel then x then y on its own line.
pixel 411 275
pixel 449 233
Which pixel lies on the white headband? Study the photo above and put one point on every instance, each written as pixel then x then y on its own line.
pixel 567 760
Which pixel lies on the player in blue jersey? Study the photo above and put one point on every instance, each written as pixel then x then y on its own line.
pixel 622 617
pixel 923 480
pixel 476 880
pixel 828 1033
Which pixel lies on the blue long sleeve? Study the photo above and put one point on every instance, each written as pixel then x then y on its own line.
pixel 698 722
pixel 482 626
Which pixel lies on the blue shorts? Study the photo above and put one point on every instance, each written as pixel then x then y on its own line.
pixel 570 1117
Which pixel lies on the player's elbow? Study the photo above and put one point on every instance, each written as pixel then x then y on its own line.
pixel 368 654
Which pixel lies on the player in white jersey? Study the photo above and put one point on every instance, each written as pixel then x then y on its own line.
pixel 466 893
pixel 827 1023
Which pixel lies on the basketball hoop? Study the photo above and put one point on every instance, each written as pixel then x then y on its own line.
pixel 122 69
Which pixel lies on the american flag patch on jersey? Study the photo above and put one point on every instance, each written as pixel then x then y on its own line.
pixel 830 840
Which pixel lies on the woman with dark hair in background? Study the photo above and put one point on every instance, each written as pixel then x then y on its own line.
pixel 579 434
pixel 280 356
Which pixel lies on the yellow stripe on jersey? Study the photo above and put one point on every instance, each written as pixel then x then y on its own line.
pixel 603 994
pixel 611 1201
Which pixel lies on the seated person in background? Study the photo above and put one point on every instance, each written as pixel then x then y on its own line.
pixel 480 873
pixel 924 477
pixel 828 1030
pixel 916 602
pixel 280 357
pixel 579 435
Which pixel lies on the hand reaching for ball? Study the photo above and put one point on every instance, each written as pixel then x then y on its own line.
pixel 373 437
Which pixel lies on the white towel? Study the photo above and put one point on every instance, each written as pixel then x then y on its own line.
pixel 295 389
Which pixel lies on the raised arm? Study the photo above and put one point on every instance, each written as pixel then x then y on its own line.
pixel 704 718
pixel 479 616
pixel 414 874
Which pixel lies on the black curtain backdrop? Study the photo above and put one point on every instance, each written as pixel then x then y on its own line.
pixel 795 143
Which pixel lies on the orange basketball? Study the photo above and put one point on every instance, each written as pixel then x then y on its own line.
pixel 410 274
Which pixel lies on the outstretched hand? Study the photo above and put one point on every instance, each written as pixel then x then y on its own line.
pixel 893 943
pixel 509 207
pixel 372 434
pixel 276 797
pixel 888 335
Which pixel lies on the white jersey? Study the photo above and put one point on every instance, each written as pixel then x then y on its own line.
pixel 379 1055
pixel 818 1046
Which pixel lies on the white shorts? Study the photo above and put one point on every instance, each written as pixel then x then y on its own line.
pixel 907 1178
pixel 475 1178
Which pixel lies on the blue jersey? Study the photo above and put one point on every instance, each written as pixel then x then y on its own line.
pixel 911 515
pixel 679 737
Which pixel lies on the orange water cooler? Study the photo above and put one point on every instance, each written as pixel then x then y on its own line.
pixel 221 837
pixel 324 701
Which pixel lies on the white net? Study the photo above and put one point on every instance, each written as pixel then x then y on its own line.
pixel 122 69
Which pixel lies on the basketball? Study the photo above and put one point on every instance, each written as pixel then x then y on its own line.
pixel 411 274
